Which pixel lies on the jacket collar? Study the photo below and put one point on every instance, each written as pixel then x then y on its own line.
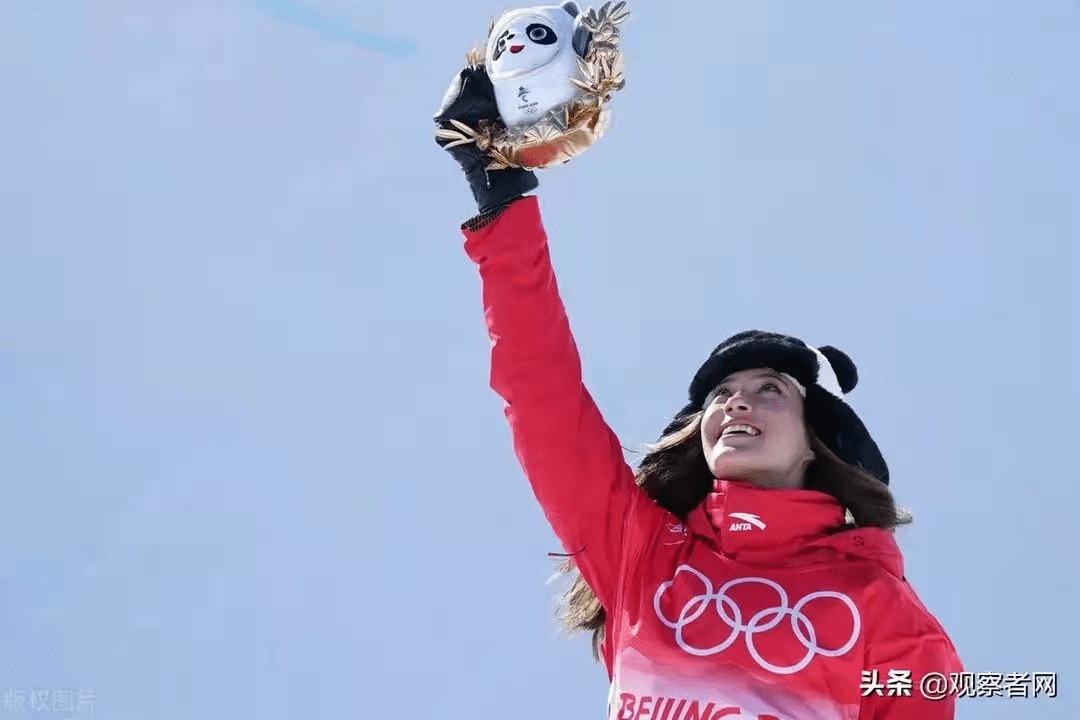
pixel 746 521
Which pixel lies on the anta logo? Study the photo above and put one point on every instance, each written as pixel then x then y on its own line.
pixel 745 521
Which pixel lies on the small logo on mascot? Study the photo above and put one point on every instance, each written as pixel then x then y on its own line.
pixel 529 108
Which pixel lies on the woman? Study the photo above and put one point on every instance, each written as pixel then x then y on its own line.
pixel 748 568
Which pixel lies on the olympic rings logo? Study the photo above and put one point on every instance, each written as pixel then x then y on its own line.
pixel 762 621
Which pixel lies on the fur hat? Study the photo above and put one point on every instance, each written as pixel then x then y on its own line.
pixel 824 375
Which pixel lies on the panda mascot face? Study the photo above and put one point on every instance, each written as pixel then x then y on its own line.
pixel 530 57
pixel 526 43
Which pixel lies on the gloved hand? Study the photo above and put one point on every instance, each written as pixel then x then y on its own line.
pixel 470 99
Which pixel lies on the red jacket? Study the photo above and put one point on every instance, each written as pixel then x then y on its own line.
pixel 750 609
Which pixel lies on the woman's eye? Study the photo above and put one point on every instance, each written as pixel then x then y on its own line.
pixel 774 386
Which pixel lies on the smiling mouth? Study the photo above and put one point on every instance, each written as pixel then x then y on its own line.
pixel 739 430
pixel 516 48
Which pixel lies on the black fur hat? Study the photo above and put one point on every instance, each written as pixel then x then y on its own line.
pixel 825 373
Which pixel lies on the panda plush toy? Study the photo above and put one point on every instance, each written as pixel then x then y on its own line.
pixel 532 56
pixel 553 69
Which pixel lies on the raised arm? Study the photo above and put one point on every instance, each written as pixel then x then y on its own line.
pixel 571 458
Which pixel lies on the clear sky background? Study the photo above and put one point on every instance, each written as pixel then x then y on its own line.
pixel 251 465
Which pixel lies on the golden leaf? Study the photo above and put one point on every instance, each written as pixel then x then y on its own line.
pixel 541 133
pixel 457 138
pixel 444 134
pixel 465 129
pixel 499 160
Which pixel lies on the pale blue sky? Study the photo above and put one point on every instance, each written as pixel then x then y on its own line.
pixel 251 464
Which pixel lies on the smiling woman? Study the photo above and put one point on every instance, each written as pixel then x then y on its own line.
pixel 747 567
pixel 752 428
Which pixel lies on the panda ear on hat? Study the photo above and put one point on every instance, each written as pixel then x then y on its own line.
pixel 846 373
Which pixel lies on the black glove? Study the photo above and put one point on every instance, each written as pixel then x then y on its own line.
pixel 470 99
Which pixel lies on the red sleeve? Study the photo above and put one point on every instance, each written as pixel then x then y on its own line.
pixel 572 459
pixel 908 642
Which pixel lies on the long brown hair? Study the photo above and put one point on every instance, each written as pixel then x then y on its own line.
pixel 675 474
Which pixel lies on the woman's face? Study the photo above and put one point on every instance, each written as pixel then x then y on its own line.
pixel 753 430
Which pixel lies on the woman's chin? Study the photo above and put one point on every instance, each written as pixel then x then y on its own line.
pixel 728 465
pixel 746 472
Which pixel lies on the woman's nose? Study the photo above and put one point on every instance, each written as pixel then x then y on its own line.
pixel 737 402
